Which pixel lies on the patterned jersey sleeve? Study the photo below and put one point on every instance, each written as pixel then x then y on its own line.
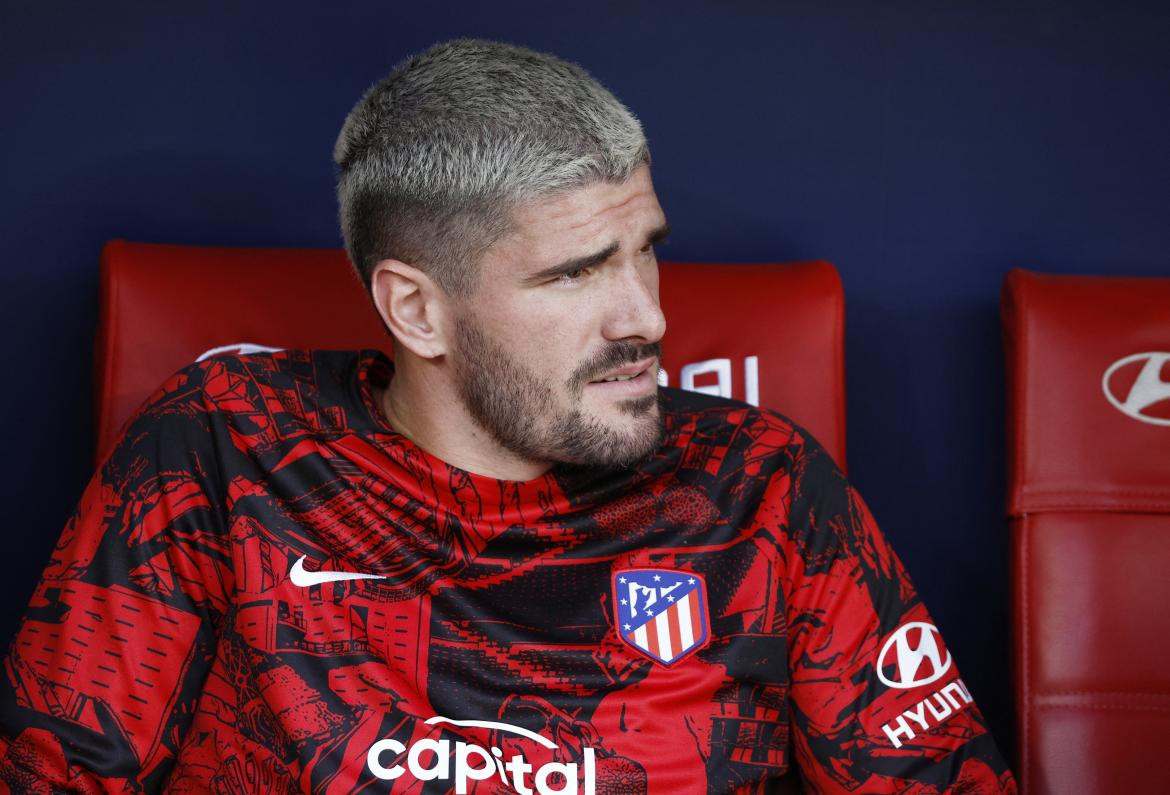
pixel 101 679
pixel 877 702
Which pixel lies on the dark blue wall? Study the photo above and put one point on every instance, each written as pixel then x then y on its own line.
pixel 923 147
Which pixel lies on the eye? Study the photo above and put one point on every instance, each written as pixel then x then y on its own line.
pixel 651 247
pixel 573 276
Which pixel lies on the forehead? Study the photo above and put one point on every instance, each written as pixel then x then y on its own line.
pixel 580 220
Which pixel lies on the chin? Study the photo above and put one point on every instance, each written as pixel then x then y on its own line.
pixel 622 441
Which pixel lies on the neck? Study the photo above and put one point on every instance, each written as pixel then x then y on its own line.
pixel 422 403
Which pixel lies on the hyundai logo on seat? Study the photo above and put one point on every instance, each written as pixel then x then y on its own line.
pixel 1145 392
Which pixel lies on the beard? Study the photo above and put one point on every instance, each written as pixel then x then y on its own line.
pixel 521 411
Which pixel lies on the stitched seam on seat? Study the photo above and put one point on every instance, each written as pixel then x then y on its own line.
pixel 1056 492
pixel 1122 693
pixel 1158 506
pixel 1021 363
pixel 1026 668
pixel 1109 706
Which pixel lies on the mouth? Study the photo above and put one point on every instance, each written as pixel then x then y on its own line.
pixel 633 380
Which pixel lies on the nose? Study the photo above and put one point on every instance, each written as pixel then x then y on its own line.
pixel 634 311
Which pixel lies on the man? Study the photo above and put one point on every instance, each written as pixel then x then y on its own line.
pixel 506 563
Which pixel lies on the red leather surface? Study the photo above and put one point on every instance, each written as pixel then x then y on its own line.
pixel 790 317
pixel 1102 751
pixel 1098 601
pixel 164 305
pixel 1089 502
pixel 1073 448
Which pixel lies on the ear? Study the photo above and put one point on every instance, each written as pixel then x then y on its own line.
pixel 412 306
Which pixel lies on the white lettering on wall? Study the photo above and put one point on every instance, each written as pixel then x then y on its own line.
pixel 721 369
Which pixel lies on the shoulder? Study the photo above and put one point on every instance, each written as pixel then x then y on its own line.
pixel 694 413
pixel 218 379
pixel 249 392
pixel 761 439
pixel 232 381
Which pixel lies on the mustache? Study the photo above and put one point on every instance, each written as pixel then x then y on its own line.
pixel 613 356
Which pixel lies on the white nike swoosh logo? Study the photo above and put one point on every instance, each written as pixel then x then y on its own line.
pixel 304 579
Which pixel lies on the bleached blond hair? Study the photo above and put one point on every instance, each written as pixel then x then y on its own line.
pixel 435 157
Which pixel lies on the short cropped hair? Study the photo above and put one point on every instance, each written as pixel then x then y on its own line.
pixel 434 158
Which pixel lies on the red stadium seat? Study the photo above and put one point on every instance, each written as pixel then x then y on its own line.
pixel 1088 364
pixel 768 334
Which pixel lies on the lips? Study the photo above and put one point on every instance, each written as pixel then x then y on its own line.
pixel 626 373
pixel 631 382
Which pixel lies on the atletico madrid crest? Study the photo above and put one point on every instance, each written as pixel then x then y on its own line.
pixel 661 613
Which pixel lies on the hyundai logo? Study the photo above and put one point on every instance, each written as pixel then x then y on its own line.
pixel 908 657
pixel 1147 390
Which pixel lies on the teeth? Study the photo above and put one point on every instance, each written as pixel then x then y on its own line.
pixel 619 378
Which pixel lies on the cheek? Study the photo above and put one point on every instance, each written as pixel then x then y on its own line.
pixel 549 333
pixel 556 330
pixel 542 344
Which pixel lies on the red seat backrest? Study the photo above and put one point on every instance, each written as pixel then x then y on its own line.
pixel 1088 363
pixel 770 334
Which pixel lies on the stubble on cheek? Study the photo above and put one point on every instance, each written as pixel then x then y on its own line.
pixel 520 410
pixel 501 396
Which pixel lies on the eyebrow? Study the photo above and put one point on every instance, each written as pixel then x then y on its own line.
pixel 655 237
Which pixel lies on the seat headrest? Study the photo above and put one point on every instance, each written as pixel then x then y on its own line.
pixel 1088 362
